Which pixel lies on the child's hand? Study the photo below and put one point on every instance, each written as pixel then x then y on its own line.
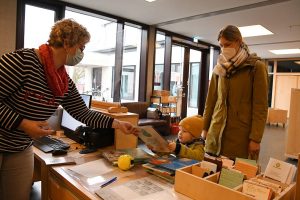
pixel 150 147
pixel 172 146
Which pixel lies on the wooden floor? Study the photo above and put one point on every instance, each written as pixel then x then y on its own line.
pixel 272 145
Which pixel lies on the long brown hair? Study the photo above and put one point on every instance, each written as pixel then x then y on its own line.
pixel 230 33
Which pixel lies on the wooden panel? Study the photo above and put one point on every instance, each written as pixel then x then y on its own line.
pixel 293 137
pixel 298 180
pixel 57 191
pixel 283 91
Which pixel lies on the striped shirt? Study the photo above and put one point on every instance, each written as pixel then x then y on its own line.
pixel 24 93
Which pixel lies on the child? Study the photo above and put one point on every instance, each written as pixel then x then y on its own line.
pixel 189 143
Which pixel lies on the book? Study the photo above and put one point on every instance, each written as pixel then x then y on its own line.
pixel 280 171
pixel 172 163
pixel 208 165
pixel 231 178
pixel 217 160
pixel 257 191
pixel 153 139
pixel 247 167
pixel 138 154
pixel 168 178
pixel 158 169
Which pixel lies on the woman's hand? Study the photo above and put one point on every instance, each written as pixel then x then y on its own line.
pixel 125 127
pixel 172 146
pixel 35 128
pixel 253 149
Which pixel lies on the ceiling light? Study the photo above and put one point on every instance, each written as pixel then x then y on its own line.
pixel 150 0
pixel 297 62
pixel 285 51
pixel 254 30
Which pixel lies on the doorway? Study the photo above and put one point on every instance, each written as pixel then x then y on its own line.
pixel 185 79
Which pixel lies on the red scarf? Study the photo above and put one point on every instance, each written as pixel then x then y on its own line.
pixel 57 79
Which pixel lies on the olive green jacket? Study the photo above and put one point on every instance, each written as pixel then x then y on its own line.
pixel 236 109
pixel 193 150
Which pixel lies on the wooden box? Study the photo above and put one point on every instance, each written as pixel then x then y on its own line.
pixel 277 116
pixel 187 182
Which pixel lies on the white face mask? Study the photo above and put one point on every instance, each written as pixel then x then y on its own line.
pixel 74 60
pixel 228 53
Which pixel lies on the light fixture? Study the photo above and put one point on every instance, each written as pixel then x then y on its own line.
pixel 285 51
pixel 254 30
pixel 150 0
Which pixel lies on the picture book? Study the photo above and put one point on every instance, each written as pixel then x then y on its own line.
pixel 138 154
pixel 158 169
pixel 172 163
pixel 153 139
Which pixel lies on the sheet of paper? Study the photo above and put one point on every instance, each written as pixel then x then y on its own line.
pixel 93 168
pixel 147 188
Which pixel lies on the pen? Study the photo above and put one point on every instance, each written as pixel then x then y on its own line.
pixel 108 182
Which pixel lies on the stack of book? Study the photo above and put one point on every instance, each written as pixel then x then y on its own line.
pixel 139 155
pixel 165 167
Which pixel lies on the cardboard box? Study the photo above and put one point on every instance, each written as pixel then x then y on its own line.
pixel 187 182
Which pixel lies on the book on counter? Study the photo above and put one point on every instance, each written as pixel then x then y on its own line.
pixel 160 172
pixel 172 163
pixel 138 154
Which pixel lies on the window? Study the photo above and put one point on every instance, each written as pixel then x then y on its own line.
pixel 159 61
pixel 131 63
pixel 38 23
pixel 176 69
pixel 93 74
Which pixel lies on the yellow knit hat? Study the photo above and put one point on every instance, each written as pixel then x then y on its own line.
pixel 193 124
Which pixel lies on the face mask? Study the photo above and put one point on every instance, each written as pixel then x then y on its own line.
pixel 74 60
pixel 228 53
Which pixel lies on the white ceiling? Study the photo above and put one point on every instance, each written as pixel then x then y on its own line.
pixel 205 18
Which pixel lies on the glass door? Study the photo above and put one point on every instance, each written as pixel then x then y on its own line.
pixel 185 79
pixel 193 82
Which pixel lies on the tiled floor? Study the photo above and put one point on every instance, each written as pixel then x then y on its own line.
pixel 272 145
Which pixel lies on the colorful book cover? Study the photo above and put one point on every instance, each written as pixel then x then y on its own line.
pixel 173 163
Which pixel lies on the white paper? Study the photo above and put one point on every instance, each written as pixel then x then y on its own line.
pixel 93 168
pixel 147 188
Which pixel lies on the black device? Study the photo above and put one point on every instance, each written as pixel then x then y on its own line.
pixel 48 144
pixel 59 152
pixel 94 138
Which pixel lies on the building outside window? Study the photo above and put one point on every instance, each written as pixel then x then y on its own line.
pixel 159 61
